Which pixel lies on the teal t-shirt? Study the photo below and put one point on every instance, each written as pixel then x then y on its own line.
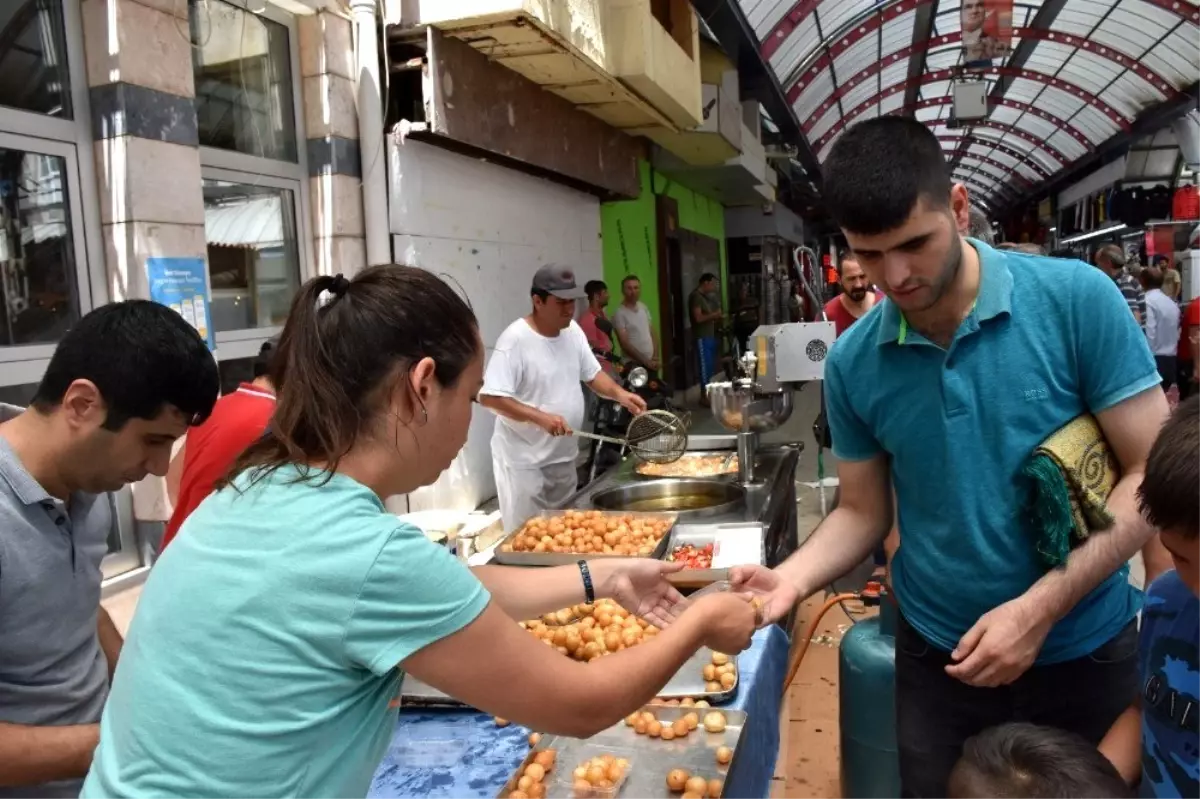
pixel 263 654
pixel 1047 340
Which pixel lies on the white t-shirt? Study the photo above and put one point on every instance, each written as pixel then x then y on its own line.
pixel 634 323
pixel 543 373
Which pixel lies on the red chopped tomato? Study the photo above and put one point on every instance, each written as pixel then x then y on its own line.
pixel 693 558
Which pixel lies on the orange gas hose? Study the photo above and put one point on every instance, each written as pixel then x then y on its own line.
pixel 794 665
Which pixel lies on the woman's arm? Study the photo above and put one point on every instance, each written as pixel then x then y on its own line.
pixel 494 665
pixel 637 584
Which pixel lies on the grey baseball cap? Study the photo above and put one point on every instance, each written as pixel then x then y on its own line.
pixel 559 281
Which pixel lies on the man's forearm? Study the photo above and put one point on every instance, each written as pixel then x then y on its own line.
pixel 510 408
pixel 110 640
pixel 1156 560
pixel 34 755
pixel 1060 590
pixel 554 589
pixel 839 543
pixel 605 386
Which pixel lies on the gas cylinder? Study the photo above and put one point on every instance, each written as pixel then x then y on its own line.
pixel 867 707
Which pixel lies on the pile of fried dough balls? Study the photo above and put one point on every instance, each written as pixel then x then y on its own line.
pixel 583 532
pixel 588 631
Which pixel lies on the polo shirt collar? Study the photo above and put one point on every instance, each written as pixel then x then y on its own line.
pixel 993 300
pixel 13 472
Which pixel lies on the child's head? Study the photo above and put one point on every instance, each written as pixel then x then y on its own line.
pixel 1170 491
pixel 1014 761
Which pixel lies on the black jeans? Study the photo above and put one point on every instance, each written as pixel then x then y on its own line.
pixel 1187 378
pixel 1168 370
pixel 936 714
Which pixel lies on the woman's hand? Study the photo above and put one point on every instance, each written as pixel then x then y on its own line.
pixel 640 586
pixel 729 620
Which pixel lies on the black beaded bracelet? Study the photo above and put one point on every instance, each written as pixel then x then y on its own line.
pixel 589 591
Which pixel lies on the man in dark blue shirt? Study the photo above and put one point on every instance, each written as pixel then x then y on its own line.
pixel 1159 735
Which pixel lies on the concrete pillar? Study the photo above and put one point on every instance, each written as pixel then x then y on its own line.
pixel 139 67
pixel 331 122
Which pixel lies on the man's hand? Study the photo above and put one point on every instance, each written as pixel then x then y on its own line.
pixel 554 424
pixel 779 596
pixel 652 364
pixel 1001 646
pixel 632 403
pixel 640 586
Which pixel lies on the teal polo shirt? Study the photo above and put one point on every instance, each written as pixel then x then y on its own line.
pixel 1047 340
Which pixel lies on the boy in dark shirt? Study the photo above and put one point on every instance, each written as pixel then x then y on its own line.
pixel 1158 737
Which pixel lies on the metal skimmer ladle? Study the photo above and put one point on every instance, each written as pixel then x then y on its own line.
pixel 654 437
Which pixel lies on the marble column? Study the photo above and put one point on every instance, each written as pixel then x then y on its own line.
pixel 331 123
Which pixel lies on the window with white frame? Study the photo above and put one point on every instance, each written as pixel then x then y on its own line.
pixel 245 61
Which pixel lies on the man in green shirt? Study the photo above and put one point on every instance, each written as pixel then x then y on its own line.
pixel 704 306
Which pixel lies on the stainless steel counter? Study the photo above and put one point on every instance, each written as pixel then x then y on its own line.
pixel 771 502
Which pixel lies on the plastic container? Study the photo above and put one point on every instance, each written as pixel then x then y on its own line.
pixel 569 786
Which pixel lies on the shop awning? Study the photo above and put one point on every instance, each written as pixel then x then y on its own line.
pixel 255 222
pixel 1077 73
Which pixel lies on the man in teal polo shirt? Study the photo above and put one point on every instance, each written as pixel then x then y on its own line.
pixel 944 389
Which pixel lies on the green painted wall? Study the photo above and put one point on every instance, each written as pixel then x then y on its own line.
pixel 629 235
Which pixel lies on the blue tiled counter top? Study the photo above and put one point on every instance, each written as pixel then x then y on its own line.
pixel 462 754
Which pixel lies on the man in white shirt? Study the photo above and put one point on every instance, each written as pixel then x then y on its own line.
pixel 632 323
pixel 532 384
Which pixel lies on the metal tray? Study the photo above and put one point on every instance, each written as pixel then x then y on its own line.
pixel 699 535
pixel 727 475
pixel 650 759
pixel 569 558
pixel 688 681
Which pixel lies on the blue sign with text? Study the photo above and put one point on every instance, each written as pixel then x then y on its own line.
pixel 181 284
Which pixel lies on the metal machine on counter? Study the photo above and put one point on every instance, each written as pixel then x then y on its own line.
pixel 779 359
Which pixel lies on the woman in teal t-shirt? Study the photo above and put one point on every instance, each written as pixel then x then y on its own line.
pixel 271 637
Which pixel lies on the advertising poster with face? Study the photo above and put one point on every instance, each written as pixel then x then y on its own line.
pixel 986 31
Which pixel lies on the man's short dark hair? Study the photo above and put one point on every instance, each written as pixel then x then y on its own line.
pixel 847 255
pixel 1168 496
pixel 262 361
pixel 1020 760
pixel 593 288
pixel 879 169
pixel 707 276
pixel 141 356
pixel 628 278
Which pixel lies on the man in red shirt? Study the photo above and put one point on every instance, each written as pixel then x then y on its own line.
pixel 238 419
pixel 592 320
pixel 857 295
pixel 1189 349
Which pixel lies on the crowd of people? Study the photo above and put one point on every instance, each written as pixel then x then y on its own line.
pixel 271 635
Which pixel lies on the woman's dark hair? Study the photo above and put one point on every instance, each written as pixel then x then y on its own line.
pixel 141 356
pixel 343 342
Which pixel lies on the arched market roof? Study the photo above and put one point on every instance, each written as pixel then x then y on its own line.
pixel 1079 73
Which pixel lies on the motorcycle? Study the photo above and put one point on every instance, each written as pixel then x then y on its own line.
pixel 612 419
